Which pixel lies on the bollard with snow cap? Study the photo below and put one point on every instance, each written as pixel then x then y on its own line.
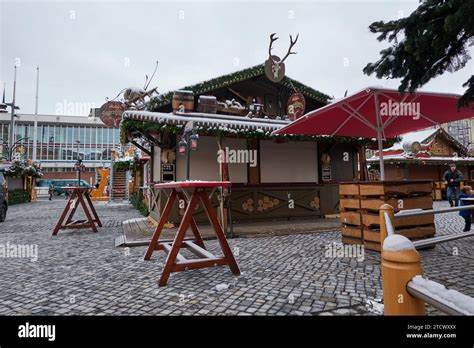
pixel 400 263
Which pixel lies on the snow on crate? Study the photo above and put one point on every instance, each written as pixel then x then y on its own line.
pixel 462 303
pixel 397 242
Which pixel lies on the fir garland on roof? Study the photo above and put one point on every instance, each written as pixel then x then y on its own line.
pixel 128 126
pixel 219 82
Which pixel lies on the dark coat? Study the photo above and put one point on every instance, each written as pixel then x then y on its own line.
pixel 465 213
pixel 456 175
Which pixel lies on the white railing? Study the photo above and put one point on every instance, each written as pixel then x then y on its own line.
pixel 421 289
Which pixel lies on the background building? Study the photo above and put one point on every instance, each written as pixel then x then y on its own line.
pixel 60 139
pixel 462 131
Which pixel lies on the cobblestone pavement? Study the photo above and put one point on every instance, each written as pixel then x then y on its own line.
pixel 82 273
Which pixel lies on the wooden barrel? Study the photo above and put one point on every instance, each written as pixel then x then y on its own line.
pixel 183 101
pixel 207 104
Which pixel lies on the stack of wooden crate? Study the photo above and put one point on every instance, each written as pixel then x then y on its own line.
pixel 438 188
pixel 360 203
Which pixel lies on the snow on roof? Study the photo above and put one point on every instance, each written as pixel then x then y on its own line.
pixel 225 122
pixel 419 136
pixel 397 242
pixel 401 157
pixel 422 137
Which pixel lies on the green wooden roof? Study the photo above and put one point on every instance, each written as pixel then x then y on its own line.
pixel 226 80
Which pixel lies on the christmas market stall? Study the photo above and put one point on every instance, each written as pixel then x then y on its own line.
pixel 425 154
pixel 382 113
pixel 221 129
pixel 21 176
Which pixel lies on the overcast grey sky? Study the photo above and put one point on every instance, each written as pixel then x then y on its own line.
pixel 88 51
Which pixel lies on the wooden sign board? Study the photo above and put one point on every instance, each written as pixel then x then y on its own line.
pixel 111 113
pixel 295 106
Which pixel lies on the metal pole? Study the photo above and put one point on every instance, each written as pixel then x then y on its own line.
pixel 11 140
pixel 450 307
pixel 35 126
pixel 379 136
pixel 78 166
pixel 381 163
pixel 411 213
pixel 188 155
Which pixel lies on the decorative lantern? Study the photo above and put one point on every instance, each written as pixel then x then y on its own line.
pixel 182 147
pixel 194 141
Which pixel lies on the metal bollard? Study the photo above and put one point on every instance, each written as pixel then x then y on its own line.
pixel 400 263
pixel 384 208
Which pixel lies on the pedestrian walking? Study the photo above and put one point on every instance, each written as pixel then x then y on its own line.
pixel 453 178
pixel 50 191
pixel 466 192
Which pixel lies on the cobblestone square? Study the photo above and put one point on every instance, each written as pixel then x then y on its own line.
pixel 83 273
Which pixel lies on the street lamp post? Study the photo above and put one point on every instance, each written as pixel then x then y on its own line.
pixel 11 131
pixel 78 166
pixel 189 142
pixel 13 147
pixel 11 139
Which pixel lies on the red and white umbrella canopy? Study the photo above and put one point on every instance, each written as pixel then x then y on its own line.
pixel 380 113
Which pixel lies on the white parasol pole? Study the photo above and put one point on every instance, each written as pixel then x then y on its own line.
pixel 379 137
pixel 381 163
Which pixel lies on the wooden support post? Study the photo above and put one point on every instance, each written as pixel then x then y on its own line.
pixel 400 263
pixel 384 208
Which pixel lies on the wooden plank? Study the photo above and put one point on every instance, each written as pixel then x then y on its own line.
pixel 416 202
pixel 353 232
pixel 349 203
pixel 371 235
pixel 410 233
pixel 126 230
pixel 349 189
pixel 144 228
pixel 167 249
pixel 155 216
pixel 348 240
pixel 374 246
pixel 197 250
pixel 395 188
pixel 199 263
pixel 371 219
pixel 350 217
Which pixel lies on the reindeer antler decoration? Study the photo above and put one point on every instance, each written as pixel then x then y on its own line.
pixel 277 67
pixel 272 40
pixel 292 43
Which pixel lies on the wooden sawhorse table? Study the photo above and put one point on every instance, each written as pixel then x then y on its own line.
pixel 175 262
pixel 79 195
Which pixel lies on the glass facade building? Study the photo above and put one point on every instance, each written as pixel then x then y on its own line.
pixel 60 139
pixel 63 142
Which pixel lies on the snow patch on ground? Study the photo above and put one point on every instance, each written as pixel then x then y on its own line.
pixel 222 287
pixel 374 306
pixel 133 220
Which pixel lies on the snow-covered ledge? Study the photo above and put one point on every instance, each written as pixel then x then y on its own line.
pixel 448 301
pixel 225 122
